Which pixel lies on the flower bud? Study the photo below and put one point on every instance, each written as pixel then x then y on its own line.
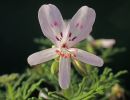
pixel 117 90
pixel 80 67
pixel 105 43
pixel 54 67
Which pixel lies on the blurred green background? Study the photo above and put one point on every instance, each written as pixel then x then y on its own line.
pixel 19 26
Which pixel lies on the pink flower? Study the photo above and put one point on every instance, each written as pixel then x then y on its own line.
pixel 64 36
pixel 105 43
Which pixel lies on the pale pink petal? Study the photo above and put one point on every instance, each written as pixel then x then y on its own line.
pixel 81 25
pixel 66 22
pixel 86 57
pixel 51 21
pixel 42 56
pixel 107 43
pixel 64 72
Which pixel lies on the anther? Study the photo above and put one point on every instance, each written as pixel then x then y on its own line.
pixel 74 55
pixel 62 54
pixel 58 52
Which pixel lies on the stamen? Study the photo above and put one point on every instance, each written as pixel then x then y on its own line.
pixel 74 55
pixel 62 54
pixel 66 53
pixel 58 52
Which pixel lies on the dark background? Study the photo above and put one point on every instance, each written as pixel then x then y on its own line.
pixel 19 26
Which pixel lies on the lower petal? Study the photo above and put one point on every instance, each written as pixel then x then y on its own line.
pixel 88 58
pixel 42 56
pixel 64 72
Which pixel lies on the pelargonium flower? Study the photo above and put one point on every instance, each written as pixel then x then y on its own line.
pixel 65 36
pixel 105 43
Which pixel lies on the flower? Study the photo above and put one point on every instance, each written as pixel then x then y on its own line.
pixel 64 36
pixel 105 43
pixel 118 91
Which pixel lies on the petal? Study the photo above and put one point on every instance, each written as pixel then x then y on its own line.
pixel 66 22
pixel 81 25
pixel 42 56
pixel 88 58
pixel 51 21
pixel 107 43
pixel 64 73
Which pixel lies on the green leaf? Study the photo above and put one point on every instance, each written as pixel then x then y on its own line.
pixel 57 96
pixel 32 88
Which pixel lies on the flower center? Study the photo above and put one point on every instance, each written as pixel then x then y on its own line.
pixel 64 45
pixel 65 53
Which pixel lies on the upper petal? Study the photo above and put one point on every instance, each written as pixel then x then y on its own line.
pixel 81 25
pixel 88 58
pixel 42 56
pixel 51 21
pixel 64 72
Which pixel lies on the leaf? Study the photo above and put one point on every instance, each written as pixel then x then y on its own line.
pixel 32 88
pixel 120 73
pixel 57 96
